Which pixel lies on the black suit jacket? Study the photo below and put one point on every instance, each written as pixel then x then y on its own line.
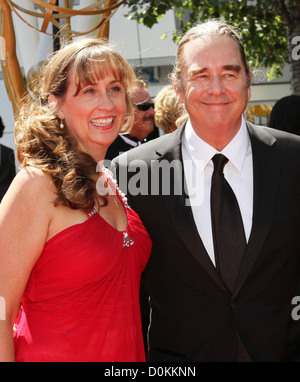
pixel 7 169
pixel 118 147
pixel 193 317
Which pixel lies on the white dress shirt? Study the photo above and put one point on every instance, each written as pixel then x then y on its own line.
pixel 198 169
pixel 129 141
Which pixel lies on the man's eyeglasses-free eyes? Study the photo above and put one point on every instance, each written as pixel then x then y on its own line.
pixel 144 106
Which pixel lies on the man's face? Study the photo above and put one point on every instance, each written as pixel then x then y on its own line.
pixel 214 85
pixel 143 119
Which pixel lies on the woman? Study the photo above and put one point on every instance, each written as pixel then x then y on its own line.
pixel 169 113
pixel 71 256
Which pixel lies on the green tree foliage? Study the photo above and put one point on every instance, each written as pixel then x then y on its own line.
pixel 265 24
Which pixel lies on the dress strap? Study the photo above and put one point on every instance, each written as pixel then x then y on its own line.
pixel 94 211
pixel 113 182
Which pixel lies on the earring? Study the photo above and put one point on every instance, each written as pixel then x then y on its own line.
pixel 61 124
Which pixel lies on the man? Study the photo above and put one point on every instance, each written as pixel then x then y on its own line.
pixel 143 124
pixel 7 165
pixel 206 306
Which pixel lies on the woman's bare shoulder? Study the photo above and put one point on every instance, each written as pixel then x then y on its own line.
pixel 34 180
pixel 30 188
pixel 34 176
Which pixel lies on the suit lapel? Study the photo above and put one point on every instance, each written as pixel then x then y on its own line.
pixel 266 168
pixel 180 210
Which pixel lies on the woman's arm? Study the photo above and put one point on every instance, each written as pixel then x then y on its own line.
pixel 25 214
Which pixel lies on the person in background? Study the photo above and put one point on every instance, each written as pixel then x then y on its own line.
pixel 7 165
pixel 142 126
pixel 71 249
pixel 218 292
pixel 169 113
pixel 285 114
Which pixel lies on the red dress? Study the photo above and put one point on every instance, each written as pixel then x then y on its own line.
pixel 81 303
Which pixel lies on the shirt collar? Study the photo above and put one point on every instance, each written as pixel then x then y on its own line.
pixel 132 141
pixel 235 151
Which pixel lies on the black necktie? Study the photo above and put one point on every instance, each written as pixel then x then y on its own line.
pixel 227 225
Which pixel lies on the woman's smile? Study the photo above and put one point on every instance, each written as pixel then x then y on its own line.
pixel 104 122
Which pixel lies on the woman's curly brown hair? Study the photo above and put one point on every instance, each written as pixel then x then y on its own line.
pixel 39 140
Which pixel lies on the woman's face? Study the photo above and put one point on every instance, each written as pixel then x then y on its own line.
pixel 94 116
